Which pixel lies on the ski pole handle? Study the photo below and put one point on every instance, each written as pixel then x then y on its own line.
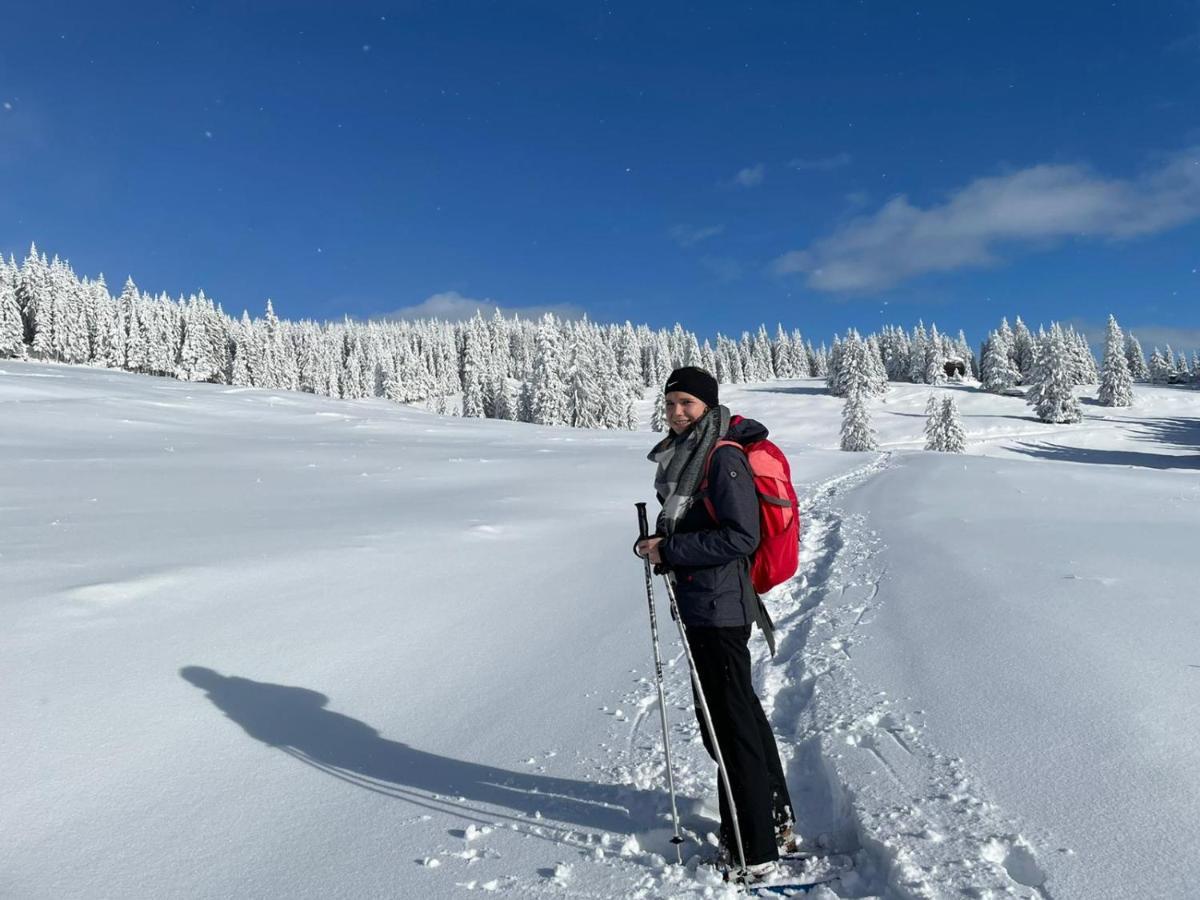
pixel 643 526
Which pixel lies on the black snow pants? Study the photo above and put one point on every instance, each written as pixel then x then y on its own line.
pixel 747 743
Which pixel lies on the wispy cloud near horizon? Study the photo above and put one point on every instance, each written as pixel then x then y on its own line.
pixel 1041 205
pixel 451 306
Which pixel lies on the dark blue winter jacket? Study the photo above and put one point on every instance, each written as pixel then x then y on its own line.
pixel 711 560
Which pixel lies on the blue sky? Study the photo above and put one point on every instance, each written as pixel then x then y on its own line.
pixel 819 164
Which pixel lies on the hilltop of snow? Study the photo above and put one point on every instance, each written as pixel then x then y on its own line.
pixel 268 644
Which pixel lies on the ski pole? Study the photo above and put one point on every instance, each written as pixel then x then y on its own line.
pixel 643 533
pixel 687 649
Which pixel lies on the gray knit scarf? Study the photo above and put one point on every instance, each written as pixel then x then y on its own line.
pixel 680 460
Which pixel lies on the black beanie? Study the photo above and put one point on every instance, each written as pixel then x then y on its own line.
pixel 696 382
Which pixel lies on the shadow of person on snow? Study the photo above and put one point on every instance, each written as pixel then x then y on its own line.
pixel 295 720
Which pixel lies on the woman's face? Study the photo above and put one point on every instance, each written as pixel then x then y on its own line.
pixel 683 410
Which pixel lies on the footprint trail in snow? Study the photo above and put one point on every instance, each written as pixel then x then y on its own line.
pixel 864 777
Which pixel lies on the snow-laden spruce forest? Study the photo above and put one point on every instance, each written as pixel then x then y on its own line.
pixel 349 610
pixel 550 372
pixel 266 643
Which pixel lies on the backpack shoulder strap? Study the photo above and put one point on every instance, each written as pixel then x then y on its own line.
pixel 708 504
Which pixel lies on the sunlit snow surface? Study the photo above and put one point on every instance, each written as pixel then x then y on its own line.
pixel 262 644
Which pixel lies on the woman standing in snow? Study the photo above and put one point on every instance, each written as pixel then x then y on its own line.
pixel 707 558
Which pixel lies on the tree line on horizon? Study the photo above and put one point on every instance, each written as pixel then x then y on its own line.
pixel 550 371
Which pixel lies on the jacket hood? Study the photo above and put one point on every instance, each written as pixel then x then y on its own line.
pixel 746 431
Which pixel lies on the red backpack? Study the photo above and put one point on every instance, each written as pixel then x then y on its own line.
pixel 778 553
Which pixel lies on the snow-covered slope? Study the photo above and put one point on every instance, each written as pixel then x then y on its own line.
pixel 273 645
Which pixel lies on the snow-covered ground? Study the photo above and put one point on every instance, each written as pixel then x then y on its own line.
pixel 258 644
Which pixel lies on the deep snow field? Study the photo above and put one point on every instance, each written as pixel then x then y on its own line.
pixel 271 645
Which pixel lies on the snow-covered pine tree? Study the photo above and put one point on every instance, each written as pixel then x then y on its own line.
pixel 1051 388
pixel 474 372
pixel 611 397
pixel 933 423
pixel 32 290
pixel 677 341
pixel 1079 355
pixel 219 327
pixel 1138 370
pixel 194 361
pixel 749 365
pixel 247 358
pixel 820 360
pixel 353 379
pixel 583 406
pixel 815 370
pixel 1160 369
pixel 708 362
pixel 12 328
pixel 109 346
pixel 498 347
pixel 76 343
pixel 799 355
pixel 309 363
pixel 1024 350
pixel 1091 369
pixel 520 348
pixel 835 376
pixel 733 362
pixel 857 434
pixel 525 402
pixel 999 372
pixel 1116 384
pixel 935 360
pixel 781 354
pixel 53 314
pixel 954 438
pixel 964 350
pixel 658 418
pixel 629 351
pixel 895 349
pixel 139 323
pixel 763 360
pixel 549 405
pixel 166 335
pixel 503 406
pixel 917 367
pixel 878 384
pixel 283 354
pixel 691 351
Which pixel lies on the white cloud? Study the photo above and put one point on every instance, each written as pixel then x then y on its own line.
pixel 1150 336
pixel 1040 205
pixel 686 235
pixel 750 177
pixel 824 164
pixel 451 306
